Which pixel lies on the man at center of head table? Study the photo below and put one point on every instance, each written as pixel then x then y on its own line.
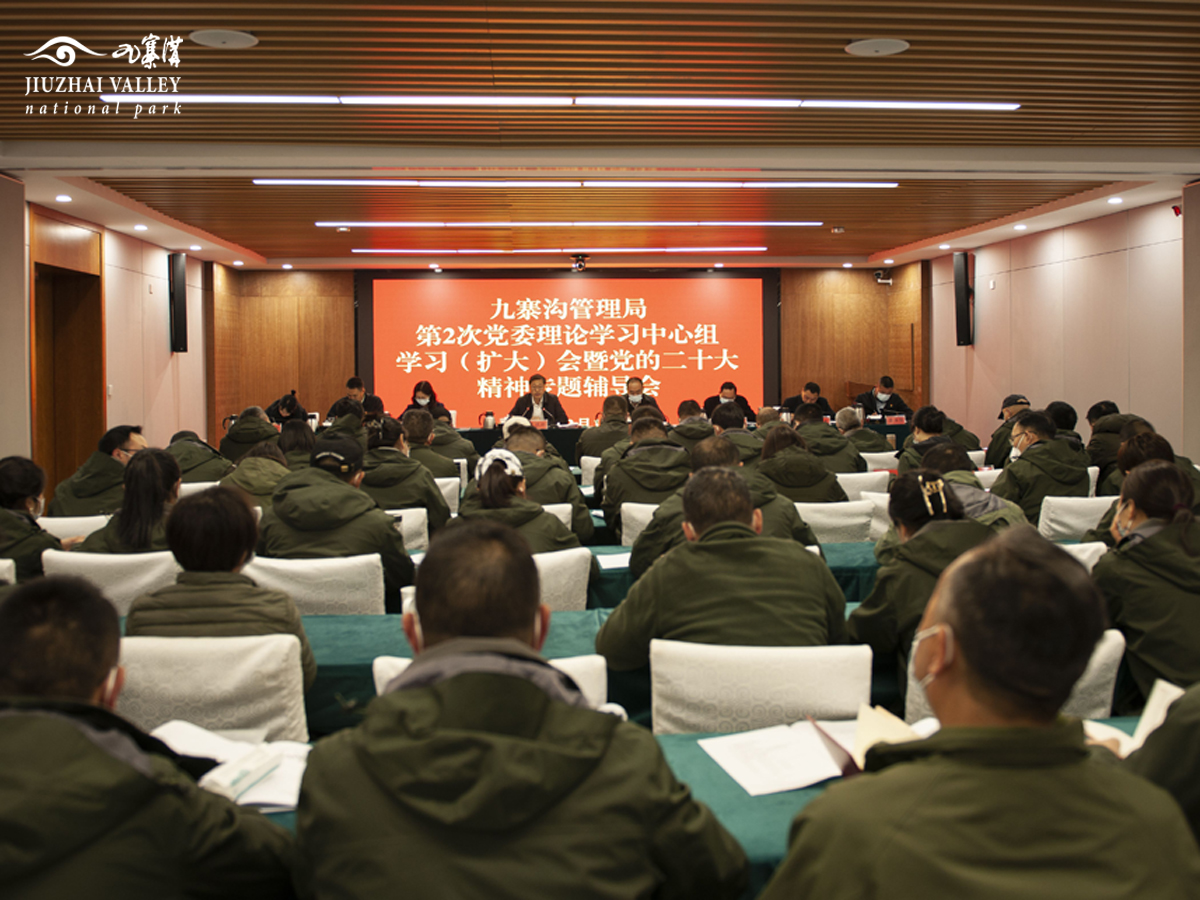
pixel 538 405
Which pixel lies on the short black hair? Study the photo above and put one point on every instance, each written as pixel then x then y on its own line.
pixel 265 450
pixel 348 406
pixel 417 425
pixel 1135 426
pixel 525 439
pixel 716 451
pixel 59 637
pixel 929 419
pixel 296 435
pixel 212 531
pixel 886 381
pixel 477 580
pixel 388 433
pixel 1142 447
pixel 185 436
pixel 808 412
pixel 647 426
pixel 716 494
pixel 689 408
pixel 354 383
pixel 372 405
pixel 920 496
pixel 779 439
pixel 1026 617
pixel 615 405
pixel 20 479
pixel 728 416
pixel 947 456
pixel 117 438
pixel 813 388
pixel 1099 410
pixel 634 378
pixel 645 411
pixel 1064 415
pixel 729 386
pixel 1038 422
pixel 288 403
pixel 537 376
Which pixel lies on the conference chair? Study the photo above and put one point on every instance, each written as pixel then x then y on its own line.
pixel 463 475
pixel 977 457
pixel 196 487
pixel 1068 518
pixel 634 519
pixel 880 520
pixel 451 489
pixel 1093 478
pixel 590 674
pixel 846 522
pixel 987 477
pixel 854 483
pixel 414 527
pixel 561 511
pixel 587 469
pixel 563 575
pixel 218 683
pixel 1088 554
pixel 8 571
pixel 339 586
pixel 878 461
pixel 711 687
pixel 63 527
pixel 122 577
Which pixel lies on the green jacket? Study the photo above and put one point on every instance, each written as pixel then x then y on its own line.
pixel 912 454
pixel 92 807
pixel 1000 446
pixel 990 814
pixel 106 539
pixel 199 462
pixel 729 587
pixel 449 443
pixel 484 783
pixel 608 459
pixel 867 441
pixel 439 466
pixel 649 472
pixel 665 530
pixel 598 438
pixel 1102 531
pixel 1170 754
pixel 1152 588
pixel 97 488
pixel 1046 469
pixel 347 426
pixel 301 459
pixel 244 434
pixel 837 453
pixel 749 447
pixel 801 477
pixel 396 481
pixel 316 515
pixel 23 540
pixel 544 531
pixel 951 429
pixel 256 478
pixel 888 618
pixel 688 433
pixel 1106 441
pixel 548 480
pixel 219 604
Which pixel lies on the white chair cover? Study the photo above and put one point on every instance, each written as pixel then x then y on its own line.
pixel 587 469
pixel 342 586
pixel 196 487
pixel 590 674
pixel 1067 518
pixel 634 519
pixel 414 527
pixel 839 523
pixel 451 489
pixel 122 577
pixel 561 511
pixel 876 461
pixel 854 483
pixel 8 571
pixel 463 474
pixel 408 599
pixel 1088 554
pixel 216 683
pixel 709 687
pixel 453 417
pixel 564 577
pixel 63 527
pixel 1093 478
pixel 977 457
pixel 880 520
pixel 987 477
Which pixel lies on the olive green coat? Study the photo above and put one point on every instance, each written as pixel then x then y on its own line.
pixel 595 440
pixel 1000 446
pixel 1046 469
pixel 347 426
pixel 990 814
pixel 548 480
pixel 729 587
pixel 106 540
pixel 450 444
pixel 1106 441
pixel 1103 531
pixel 199 462
pixel 749 446
pixel 256 479
pixel 396 481
pixel 97 488
pixel 867 441
pixel 219 604
pixel 837 453
pixel 912 454
pixel 544 531
pixel 689 433
pixel 608 459
pixel 300 459
pixel 244 434
pixel 650 471
pixel 22 540
pixel 439 466
pixel 92 807
pixel 1171 753
pixel 801 477
pixel 951 429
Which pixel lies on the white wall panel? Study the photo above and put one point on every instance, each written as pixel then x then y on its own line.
pixel 123 339
pixel 1108 234
pixel 1040 249
pixel 1156 336
pixel 1095 329
pixel 1037 333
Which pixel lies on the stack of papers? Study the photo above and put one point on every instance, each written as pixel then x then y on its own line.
pixel 613 560
pixel 1162 695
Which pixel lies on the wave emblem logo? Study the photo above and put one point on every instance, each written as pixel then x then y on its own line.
pixel 64 50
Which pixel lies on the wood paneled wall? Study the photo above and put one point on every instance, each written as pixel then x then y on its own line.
pixel 840 325
pixel 272 332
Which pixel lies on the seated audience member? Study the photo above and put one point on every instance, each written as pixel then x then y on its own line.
pixel 447 442
pixel 198 462
pixel 665 530
pixel 1168 757
pixel 882 400
pixel 635 395
pixel 296 440
pixel 22 483
pixel 836 452
pixel 957 470
pixel 501 498
pixel 726 584
pixel 1136 425
pixel 347 422
pixel 1106 421
pixel 1045 467
pixel 927 433
pixel 1064 417
pixel 417 425
pixel 1005 800
pixel 319 513
pixel 425 397
pixel 373 413
pixel 728 422
pixel 212 536
pixel 252 427
pixel 90 806
pixel 693 425
pixel 355 390
pixel 1151 580
pixel 933 533
pixel 864 439
pixel 727 395
pixel 810 394
pixel 650 471
pixel 482 772
pixel 258 474
pixel 794 472
pixel 1134 451
pixel 613 454
pixel 538 405
pixel 287 409
pixel 613 428
pixel 548 479
pixel 1000 448
pixel 950 429
pixel 766 420
pixel 139 526
pixel 98 486
pixel 395 480
pixel 513 422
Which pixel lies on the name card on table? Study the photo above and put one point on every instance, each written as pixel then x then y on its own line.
pixel 895 420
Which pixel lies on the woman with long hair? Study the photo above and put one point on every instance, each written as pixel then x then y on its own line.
pixel 425 397
pixel 151 489
pixel 296 440
pixel 501 498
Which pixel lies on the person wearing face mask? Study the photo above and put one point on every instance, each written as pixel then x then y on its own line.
pixel 425 397
pixel 1005 800
pixel 728 394
pixel 22 540
pixel 636 396
pixel 539 405
pixel 882 400
pixel 1151 580
pixel 999 449
pixel 1044 468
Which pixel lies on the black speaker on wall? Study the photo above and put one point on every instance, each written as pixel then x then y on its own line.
pixel 964 298
pixel 177 291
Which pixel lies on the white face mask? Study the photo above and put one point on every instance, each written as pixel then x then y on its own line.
pixel 1122 530
pixel 423 401
pixel 726 399
pixel 635 398
pixel 920 636
pixel 39 509
pixel 1014 453
pixel 884 397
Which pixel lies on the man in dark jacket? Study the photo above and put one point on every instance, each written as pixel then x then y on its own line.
pixel 612 429
pixel 693 425
pixel 548 479
pixel 98 486
pixel 1065 418
pixel 418 433
pixel 864 439
pixel 650 471
pixel 198 462
pixel 836 452
pixel 355 390
pixel 1045 468
pixel 487 767
pixel 538 405
pixel 728 421
pixel 810 394
pixel 90 805
pixel 635 395
pixel 252 427
pixel 727 395
pixel 882 400
pixel 928 423
pixel 285 409
pixel 1107 424
pixel 999 448
pixel 394 480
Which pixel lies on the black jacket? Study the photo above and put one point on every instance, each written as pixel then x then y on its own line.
pixel 647 400
pixel 329 415
pixel 550 407
pixel 300 415
pixel 435 409
pixel 791 403
pixel 714 401
pixel 894 406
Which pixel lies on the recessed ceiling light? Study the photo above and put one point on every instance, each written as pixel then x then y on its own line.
pixel 287 265
pixel 1020 227
pixel 718 265
pixel 63 198
pixel 943 246
pixel 194 247
pixel 223 38
pixel 238 262
pixel 433 265
pixel 343 229
pixel 1115 200
pixel 847 265
pixel 877 47
pixel 437 271
pixel 888 262
pixel 141 228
